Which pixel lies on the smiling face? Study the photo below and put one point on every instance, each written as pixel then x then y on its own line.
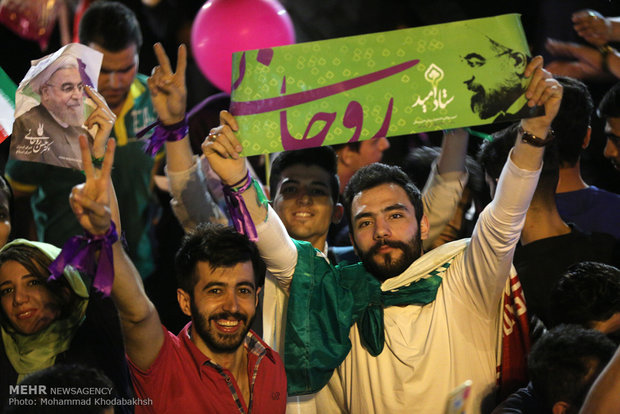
pixel 26 302
pixel 118 71
pixel 62 96
pixel 612 147
pixel 222 307
pixel 304 204
pixel 386 234
pixel 492 75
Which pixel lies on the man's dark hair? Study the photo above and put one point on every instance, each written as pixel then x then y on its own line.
pixel 353 146
pixel 111 25
pixel 573 119
pixel 322 157
pixel 565 361
pixel 610 104
pixel 494 154
pixel 67 376
pixel 374 175
pixel 218 245
pixel 587 292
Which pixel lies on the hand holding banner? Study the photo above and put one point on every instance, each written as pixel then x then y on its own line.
pixel 384 84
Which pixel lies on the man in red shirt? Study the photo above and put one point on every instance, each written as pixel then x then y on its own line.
pixel 216 364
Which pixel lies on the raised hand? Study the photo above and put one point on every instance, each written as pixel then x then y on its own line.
pixel 103 117
pixel 592 26
pixel 168 91
pixel 543 90
pixel 222 148
pixel 91 201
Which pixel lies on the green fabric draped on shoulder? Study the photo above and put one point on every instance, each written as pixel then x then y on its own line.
pixel 323 305
pixel 325 301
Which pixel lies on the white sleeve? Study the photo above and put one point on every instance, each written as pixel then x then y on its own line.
pixel 440 197
pixel 192 202
pixel 481 275
pixel 277 249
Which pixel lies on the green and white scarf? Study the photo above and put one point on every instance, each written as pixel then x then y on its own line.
pixel 325 301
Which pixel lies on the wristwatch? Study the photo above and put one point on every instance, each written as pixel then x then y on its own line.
pixel 534 140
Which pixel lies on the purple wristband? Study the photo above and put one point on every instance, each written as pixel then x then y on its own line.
pixel 163 133
pixel 79 252
pixel 238 211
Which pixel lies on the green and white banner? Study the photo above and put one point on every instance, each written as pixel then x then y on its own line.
pixel 7 105
pixel 384 84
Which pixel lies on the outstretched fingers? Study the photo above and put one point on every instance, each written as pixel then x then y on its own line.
pixel 181 63
pixel 108 160
pixel 87 162
pixel 162 58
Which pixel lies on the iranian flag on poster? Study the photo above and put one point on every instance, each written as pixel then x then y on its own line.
pixel 7 105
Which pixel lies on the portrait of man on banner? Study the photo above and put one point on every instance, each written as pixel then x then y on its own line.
pixel 50 107
pixel 393 83
pixel 497 98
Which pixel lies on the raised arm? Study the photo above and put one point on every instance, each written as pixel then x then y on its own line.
pixel 590 63
pixel 94 205
pixel 192 202
pixel 222 149
pixel 444 186
pixel 545 91
pixel 169 94
pixel 595 28
pixel 488 260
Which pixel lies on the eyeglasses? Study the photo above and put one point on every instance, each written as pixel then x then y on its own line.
pixel 69 87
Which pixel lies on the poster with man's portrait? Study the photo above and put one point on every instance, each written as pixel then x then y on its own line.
pixel 428 78
pixel 51 107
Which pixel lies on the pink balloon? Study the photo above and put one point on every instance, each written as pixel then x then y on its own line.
pixel 222 27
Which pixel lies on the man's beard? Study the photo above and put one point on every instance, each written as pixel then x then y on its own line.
pixel 487 105
pixel 217 341
pixel 73 116
pixel 388 267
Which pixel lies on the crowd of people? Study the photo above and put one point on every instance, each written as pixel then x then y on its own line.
pixel 190 282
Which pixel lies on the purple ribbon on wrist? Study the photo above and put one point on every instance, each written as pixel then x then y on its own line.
pixel 79 252
pixel 238 211
pixel 163 133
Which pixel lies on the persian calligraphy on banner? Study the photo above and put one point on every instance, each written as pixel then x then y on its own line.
pixel 384 84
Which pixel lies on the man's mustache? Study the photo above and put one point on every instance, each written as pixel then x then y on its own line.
pixel 226 315
pixel 391 243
